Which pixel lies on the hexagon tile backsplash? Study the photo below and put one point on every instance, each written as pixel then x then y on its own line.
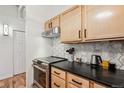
pixel 112 51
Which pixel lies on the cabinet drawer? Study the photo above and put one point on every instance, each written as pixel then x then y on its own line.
pixel 58 72
pixel 69 85
pixel 77 81
pixel 57 82
pixel 98 86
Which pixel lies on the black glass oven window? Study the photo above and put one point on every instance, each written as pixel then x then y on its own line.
pixel 40 77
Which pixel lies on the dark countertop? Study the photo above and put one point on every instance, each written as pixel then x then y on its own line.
pixel 106 77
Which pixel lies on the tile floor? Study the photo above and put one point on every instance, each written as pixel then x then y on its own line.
pixel 18 81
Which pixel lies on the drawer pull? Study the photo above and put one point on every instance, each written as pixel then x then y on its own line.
pixel 56 73
pixel 76 82
pixel 85 34
pixel 51 24
pixel 79 34
pixel 91 85
pixel 56 84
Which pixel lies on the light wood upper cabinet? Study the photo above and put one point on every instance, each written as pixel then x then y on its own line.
pixel 54 22
pixel 104 22
pixel 71 28
pixel 89 23
pixel 47 25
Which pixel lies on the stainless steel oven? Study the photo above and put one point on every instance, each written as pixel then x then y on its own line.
pixel 41 70
pixel 41 75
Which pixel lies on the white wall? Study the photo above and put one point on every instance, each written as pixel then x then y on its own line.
pixel 36 46
pixel 8 15
pixel 19 52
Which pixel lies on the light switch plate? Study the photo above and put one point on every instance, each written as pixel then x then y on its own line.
pixel 5 30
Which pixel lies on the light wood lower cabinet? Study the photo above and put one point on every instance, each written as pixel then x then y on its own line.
pixel 63 79
pixel 96 85
pixel 58 72
pixel 69 85
pixel 58 78
pixel 57 82
pixel 77 81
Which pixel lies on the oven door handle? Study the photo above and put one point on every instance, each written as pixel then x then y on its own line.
pixel 40 68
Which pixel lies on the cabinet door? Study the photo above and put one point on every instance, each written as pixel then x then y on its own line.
pixel 98 86
pixel 58 73
pixel 77 81
pixel 69 85
pixel 104 22
pixel 71 25
pixel 47 25
pixel 57 82
pixel 55 22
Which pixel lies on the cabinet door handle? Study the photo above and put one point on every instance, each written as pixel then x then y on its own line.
pixel 79 33
pixel 56 84
pixel 85 34
pixel 76 82
pixel 51 24
pixel 91 85
pixel 56 73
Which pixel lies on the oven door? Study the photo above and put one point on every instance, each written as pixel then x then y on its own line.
pixel 40 76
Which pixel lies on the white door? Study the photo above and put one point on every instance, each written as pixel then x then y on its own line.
pixel 19 52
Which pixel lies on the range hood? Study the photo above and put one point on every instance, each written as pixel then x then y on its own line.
pixel 54 32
